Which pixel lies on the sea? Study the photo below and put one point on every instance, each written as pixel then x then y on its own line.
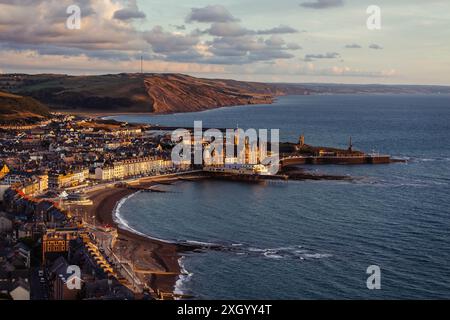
pixel 317 239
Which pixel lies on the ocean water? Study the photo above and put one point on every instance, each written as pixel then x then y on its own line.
pixel 316 239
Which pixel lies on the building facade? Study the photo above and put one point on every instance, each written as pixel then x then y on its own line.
pixel 132 167
pixel 68 180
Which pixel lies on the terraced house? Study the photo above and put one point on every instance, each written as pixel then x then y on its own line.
pixel 131 167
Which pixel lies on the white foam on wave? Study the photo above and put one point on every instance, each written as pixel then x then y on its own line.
pixel 430 159
pixel 183 278
pixel 272 255
pixel 287 252
pixel 200 243
pixel 124 224
pixel 119 218
pixel 317 255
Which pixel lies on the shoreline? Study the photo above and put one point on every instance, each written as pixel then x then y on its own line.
pixel 103 114
pixel 150 254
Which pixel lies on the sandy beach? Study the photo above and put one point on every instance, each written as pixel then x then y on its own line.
pixel 158 260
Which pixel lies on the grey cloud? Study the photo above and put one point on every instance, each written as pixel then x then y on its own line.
pixel 228 29
pixel 322 4
pixel 281 29
pixel 328 55
pixel 213 13
pixel 54 50
pixel 179 27
pixel 234 29
pixel 247 49
pixel 353 46
pixel 166 42
pixel 128 14
pixel 375 46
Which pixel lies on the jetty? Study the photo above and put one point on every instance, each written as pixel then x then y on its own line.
pixel 336 159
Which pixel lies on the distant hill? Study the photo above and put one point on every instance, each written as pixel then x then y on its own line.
pixel 160 93
pixel 168 93
pixel 15 109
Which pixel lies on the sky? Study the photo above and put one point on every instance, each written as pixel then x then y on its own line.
pixel 254 40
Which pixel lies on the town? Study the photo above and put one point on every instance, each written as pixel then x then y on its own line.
pixel 46 170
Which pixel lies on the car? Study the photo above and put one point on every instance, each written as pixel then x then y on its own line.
pixel 42 280
pixel 41 273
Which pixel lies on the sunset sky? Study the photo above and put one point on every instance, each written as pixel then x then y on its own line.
pixel 259 40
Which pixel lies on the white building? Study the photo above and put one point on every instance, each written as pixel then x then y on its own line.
pixel 132 167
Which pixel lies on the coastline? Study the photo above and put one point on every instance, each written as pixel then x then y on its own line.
pixel 158 259
pixel 102 114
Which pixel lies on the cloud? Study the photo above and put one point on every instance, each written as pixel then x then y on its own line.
pixel 235 29
pixel 179 27
pixel 248 49
pixel 281 29
pixel 351 72
pixel 375 46
pixel 130 12
pixel 167 42
pixel 25 61
pixel 353 46
pixel 322 4
pixel 213 13
pixel 228 29
pixel 292 68
pixel 108 33
pixel 328 55
pixel 47 31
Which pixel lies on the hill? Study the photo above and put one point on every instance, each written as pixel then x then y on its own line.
pixel 169 93
pixel 15 109
pixel 160 93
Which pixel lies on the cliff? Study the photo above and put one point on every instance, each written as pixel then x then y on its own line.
pixel 180 93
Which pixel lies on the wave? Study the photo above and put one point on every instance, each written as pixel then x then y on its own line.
pixel 396 182
pixel 435 159
pixel 288 252
pixel 183 279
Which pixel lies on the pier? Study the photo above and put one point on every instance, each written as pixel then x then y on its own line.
pixel 345 160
